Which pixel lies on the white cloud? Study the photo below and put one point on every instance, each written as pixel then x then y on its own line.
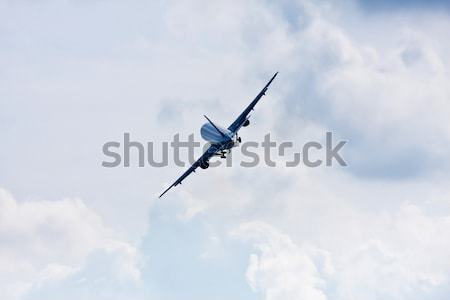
pixel 282 269
pixel 49 241
pixel 401 255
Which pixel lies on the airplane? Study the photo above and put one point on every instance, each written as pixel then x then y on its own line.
pixel 221 139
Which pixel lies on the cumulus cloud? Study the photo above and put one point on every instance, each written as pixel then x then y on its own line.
pixel 282 269
pixel 401 255
pixel 387 95
pixel 404 252
pixel 47 242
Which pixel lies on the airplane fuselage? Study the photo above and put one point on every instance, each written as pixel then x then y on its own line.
pixel 226 140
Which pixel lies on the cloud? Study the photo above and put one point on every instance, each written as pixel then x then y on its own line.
pixel 404 251
pixel 401 5
pixel 282 270
pixel 387 96
pixel 373 230
pixel 401 255
pixel 47 242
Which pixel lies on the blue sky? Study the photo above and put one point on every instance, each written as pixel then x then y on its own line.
pixel 76 74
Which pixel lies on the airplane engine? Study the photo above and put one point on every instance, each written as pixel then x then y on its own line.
pixel 204 165
pixel 246 123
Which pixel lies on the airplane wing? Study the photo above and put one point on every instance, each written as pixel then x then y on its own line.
pixel 236 125
pixel 205 157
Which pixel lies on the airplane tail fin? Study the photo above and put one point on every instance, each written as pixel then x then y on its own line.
pixel 221 133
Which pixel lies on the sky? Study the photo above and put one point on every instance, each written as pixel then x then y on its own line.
pixel 77 74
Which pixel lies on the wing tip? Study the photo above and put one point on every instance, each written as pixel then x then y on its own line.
pixel 165 191
pixel 271 79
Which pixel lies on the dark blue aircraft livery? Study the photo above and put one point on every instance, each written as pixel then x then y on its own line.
pixel 221 139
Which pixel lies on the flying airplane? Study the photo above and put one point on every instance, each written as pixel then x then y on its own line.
pixel 221 139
